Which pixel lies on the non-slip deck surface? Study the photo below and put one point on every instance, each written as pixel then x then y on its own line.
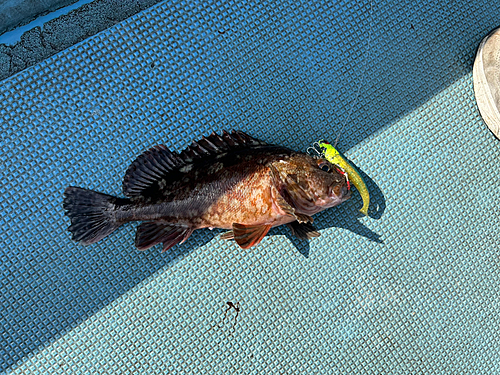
pixel 413 289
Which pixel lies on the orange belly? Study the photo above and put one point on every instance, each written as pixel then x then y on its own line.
pixel 250 202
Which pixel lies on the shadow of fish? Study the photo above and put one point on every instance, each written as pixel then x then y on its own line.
pixel 231 181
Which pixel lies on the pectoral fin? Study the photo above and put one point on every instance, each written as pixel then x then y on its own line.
pixel 247 236
pixel 282 203
pixel 289 210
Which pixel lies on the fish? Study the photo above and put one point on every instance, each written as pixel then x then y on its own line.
pixel 333 156
pixel 231 181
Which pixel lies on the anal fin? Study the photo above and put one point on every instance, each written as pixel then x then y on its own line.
pixel 149 234
pixel 247 236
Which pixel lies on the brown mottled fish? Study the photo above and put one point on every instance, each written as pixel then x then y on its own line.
pixel 231 181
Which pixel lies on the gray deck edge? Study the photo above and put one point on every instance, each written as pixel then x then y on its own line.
pixel 58 34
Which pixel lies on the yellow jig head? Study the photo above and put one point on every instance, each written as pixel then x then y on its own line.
pixel 333 156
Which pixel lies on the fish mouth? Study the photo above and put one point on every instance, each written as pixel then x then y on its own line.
pixel 340 192
pixel 346 192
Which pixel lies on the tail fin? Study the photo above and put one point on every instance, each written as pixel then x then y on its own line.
pixel 92 214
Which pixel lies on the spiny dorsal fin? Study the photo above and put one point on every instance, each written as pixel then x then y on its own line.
pixel 215 144
pixel 153 167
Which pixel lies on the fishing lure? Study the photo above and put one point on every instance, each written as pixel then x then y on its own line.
pixel 331 154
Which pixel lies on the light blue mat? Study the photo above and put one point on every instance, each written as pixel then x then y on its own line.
pixel 414 289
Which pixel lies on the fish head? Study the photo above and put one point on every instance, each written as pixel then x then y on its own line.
pixel 310 184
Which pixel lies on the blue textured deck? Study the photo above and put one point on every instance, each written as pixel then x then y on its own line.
pixel 413 290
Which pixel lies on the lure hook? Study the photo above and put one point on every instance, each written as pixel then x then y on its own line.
pixel 316 148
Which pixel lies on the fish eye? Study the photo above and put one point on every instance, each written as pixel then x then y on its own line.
pixel 324 165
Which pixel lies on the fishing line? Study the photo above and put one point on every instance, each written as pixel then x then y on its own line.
pixel 363 75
